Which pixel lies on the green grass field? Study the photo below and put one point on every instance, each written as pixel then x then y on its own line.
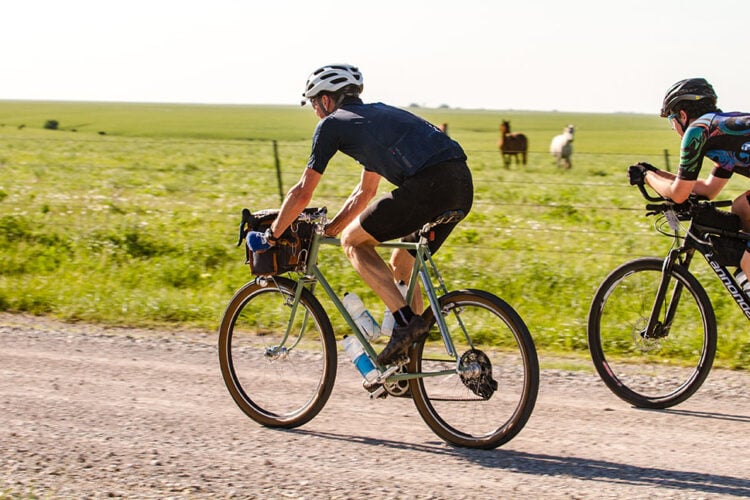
pixel 127 214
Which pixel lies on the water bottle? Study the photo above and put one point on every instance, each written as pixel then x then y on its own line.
pixel 357 354
pixel 366 323
pixel 386 327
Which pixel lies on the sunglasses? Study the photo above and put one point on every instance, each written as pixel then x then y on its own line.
pixel 672 118
pixel 311 100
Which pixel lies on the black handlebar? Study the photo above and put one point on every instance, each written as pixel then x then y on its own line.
pixel 249 220
pixel 642 188
pixel 245 225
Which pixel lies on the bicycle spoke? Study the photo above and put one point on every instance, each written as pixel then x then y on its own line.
pixel 486 395
pixel 278 377
pixel 662 367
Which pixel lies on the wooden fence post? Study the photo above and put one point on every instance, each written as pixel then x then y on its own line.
pixel 278 170
pixel 666 159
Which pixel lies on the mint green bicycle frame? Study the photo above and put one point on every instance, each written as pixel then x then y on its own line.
pixel 314 275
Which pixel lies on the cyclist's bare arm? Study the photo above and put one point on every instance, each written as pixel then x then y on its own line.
pixel 296 200
pixel 670 186
pixel 355 203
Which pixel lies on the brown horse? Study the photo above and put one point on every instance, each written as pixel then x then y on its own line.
pixel 511 145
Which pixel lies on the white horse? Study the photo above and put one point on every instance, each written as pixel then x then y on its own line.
pixel 561 147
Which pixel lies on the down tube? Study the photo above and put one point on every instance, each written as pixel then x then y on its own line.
pixel 344 313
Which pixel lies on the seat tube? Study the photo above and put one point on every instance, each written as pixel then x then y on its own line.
pixel 432 298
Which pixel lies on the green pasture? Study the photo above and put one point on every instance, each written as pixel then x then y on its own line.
pixel 127 213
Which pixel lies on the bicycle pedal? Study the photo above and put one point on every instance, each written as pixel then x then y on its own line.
pixel 377 391
pixel 403 360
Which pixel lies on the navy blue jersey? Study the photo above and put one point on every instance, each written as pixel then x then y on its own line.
pixel 389 141
pixel 721 137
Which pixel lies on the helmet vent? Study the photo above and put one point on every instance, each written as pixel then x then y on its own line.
pixel 332 78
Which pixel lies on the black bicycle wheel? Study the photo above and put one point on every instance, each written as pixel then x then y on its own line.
pixel 277 379
pixel 482 395
pixel 655 372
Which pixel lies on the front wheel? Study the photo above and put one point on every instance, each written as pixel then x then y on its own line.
pixel 655 369
pixel 280 371
pixel 482 395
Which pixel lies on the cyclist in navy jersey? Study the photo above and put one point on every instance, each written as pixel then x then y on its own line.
pixel 706 131
pixel 427 167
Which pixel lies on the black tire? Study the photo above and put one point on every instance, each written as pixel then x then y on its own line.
pixel 657 372
pixel 277 382
pixel 472 409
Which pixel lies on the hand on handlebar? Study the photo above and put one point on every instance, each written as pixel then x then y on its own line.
pixel 327 231
pixel 637 172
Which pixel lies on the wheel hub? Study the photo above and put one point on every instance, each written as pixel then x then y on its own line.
pixel 475 370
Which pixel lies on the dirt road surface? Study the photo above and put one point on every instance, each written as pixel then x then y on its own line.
pixel 92 412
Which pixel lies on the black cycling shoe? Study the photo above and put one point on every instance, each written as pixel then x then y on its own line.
pixel 402 338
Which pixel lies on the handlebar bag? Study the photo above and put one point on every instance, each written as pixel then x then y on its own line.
pixel 291 250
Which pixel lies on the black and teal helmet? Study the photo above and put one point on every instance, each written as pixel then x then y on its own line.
pixel 690 89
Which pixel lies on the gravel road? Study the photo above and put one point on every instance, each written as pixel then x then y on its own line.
pixel 90 412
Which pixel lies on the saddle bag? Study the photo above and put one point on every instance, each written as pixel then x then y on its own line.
pixel 291 250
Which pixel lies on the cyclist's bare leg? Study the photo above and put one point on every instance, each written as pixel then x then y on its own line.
pixel 402 263
pixel 741 207
pixel 359 247
pixel 745 263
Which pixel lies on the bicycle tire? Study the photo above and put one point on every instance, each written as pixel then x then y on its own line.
pixel 275 382
pixel 465 409
pixel 651 373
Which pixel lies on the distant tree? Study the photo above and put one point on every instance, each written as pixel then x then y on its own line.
pixel 51 124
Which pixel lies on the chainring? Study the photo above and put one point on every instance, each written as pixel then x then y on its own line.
pixel 398 388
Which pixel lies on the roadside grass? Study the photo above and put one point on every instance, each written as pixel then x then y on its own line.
pixel 137 226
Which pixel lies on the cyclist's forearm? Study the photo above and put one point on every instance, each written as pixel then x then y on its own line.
pixel 296 201
pixel 669 186
pixel 710 187
pixel 663 174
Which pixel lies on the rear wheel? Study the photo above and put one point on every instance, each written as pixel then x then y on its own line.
pixel 278 379
pixel 482 396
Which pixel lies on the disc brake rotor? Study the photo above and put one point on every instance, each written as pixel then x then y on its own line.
pixel 475 370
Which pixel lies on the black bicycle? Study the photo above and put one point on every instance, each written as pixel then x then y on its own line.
pixel 651 326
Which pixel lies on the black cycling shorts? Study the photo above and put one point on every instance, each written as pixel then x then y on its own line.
pixel 420 199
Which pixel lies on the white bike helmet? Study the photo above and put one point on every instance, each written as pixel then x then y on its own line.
pixel 331 78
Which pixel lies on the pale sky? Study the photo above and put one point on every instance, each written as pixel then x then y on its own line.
pixel 579 55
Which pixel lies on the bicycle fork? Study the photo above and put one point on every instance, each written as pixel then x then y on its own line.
pixel 281 350
pixel 655 328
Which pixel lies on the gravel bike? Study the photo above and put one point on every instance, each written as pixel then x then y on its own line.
pixel 651 326
pixel 474 378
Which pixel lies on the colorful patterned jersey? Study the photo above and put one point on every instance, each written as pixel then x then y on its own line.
pixel 722 137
